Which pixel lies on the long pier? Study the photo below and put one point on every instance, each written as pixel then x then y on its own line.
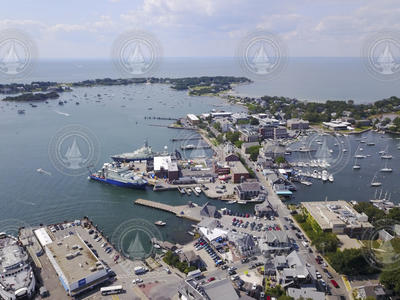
pixel 181 211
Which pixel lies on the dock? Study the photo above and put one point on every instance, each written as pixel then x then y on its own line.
pixel 181 211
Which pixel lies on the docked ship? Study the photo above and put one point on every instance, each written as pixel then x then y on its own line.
pixel 17 280
pixel 123 176
pixel 143 153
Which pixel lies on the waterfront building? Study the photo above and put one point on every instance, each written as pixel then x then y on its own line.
pixel 338 217
pixel 248 190
pixel 272 150
pixel 76 265
pixel 221 114
pixel 166 167
pixel 337 125
pixel 280 133
pixel 193 119
pixel 297 124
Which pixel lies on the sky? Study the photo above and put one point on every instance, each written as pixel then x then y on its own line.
pixel 200 28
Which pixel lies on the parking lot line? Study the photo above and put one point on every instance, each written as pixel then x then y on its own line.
pixel 114 297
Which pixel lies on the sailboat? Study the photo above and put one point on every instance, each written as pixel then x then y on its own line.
pixel 385 155
pixel 261 61
pixel 386 169
pixel 386 62
pixel 356 164
pixel 375 183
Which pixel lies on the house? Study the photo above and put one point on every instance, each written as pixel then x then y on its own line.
pixel 248 190
pixel 274 241
pixel 305 293
pixel 264 210
pixel 191 258
pixel 244 243
pixel 296 274
pixel 363 123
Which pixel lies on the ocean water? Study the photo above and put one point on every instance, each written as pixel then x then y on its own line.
pixel 118 123
pixel 313 79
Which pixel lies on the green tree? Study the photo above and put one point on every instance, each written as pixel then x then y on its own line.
pixel 254 121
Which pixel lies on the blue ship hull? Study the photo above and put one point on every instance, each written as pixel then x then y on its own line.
pixel 119 183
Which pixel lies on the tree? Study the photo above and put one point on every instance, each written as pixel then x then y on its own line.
pixel 280 160
pixel 253 151
pixel 217 126
pixel 254 121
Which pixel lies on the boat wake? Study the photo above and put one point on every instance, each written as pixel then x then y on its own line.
pixel 62 113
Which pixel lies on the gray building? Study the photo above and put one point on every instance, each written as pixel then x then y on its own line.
pixel 248 190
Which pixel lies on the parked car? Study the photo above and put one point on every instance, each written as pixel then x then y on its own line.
pixel 334 283
pixel 211 279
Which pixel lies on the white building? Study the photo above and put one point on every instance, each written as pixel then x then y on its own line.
pixel 76 265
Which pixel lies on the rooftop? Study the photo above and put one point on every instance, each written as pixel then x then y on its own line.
pixel 73 257
pixel 329 214
pixel 237 167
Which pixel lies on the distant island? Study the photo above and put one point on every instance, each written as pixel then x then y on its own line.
pixel 281 107
pixel 197 86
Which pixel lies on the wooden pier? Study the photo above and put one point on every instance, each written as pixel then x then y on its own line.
pixel 181 211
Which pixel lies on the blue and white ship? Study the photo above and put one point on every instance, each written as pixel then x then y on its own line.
pixel 115 174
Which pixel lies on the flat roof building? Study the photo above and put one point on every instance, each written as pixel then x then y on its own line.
pixel 338 217
pixel 193 119
pixel 76 265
